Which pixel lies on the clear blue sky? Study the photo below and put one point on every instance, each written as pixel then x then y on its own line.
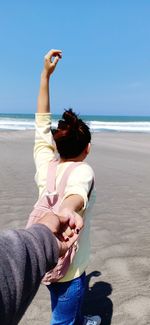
pixel 106 55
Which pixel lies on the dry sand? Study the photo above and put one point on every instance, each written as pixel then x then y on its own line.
pixel 119 269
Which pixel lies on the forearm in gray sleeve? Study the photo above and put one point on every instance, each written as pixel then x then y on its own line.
pixel 25 256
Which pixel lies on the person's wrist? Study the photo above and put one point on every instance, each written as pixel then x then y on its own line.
pixel 45 74
pixel 61 247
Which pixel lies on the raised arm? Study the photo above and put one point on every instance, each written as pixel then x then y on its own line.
pixel 50 61
pixel 44 148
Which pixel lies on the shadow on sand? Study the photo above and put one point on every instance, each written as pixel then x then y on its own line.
pixel 96 301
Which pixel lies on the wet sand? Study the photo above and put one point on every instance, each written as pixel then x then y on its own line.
pixel 119 269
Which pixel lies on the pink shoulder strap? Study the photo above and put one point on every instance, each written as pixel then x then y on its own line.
pixel 51 179
pixel 63 181
pixel 51 175
pixel 62 184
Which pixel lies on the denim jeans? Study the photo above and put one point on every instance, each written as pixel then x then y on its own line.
pixel 66 301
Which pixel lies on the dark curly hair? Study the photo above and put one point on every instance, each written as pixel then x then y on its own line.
pixel 71 136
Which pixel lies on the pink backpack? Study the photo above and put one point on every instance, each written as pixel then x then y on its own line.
pixel 51 200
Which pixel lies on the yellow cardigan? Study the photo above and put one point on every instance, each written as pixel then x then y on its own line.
pixel 79 182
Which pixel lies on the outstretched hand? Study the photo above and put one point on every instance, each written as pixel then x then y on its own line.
pixel 65 228
pixel 50 61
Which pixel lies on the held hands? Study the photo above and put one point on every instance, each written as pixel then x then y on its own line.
pixel 75 219
pixel 50 61
pixel 66 228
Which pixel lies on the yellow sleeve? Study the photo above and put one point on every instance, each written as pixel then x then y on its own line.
pixel 44 148
pixel 80 182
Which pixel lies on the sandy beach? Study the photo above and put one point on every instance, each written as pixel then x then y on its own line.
pixel 119 269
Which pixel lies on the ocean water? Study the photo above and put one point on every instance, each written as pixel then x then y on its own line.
pixel 96 123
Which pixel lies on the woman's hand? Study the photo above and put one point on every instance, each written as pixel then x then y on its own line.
pixel 50 61
pixel 66 227
pixel 75 222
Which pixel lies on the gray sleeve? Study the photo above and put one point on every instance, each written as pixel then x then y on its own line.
pixel 25 256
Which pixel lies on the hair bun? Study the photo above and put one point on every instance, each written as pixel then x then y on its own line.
pixel 71 136
pixel 70 118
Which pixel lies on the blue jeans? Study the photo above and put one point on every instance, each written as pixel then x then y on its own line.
pixel 66 301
